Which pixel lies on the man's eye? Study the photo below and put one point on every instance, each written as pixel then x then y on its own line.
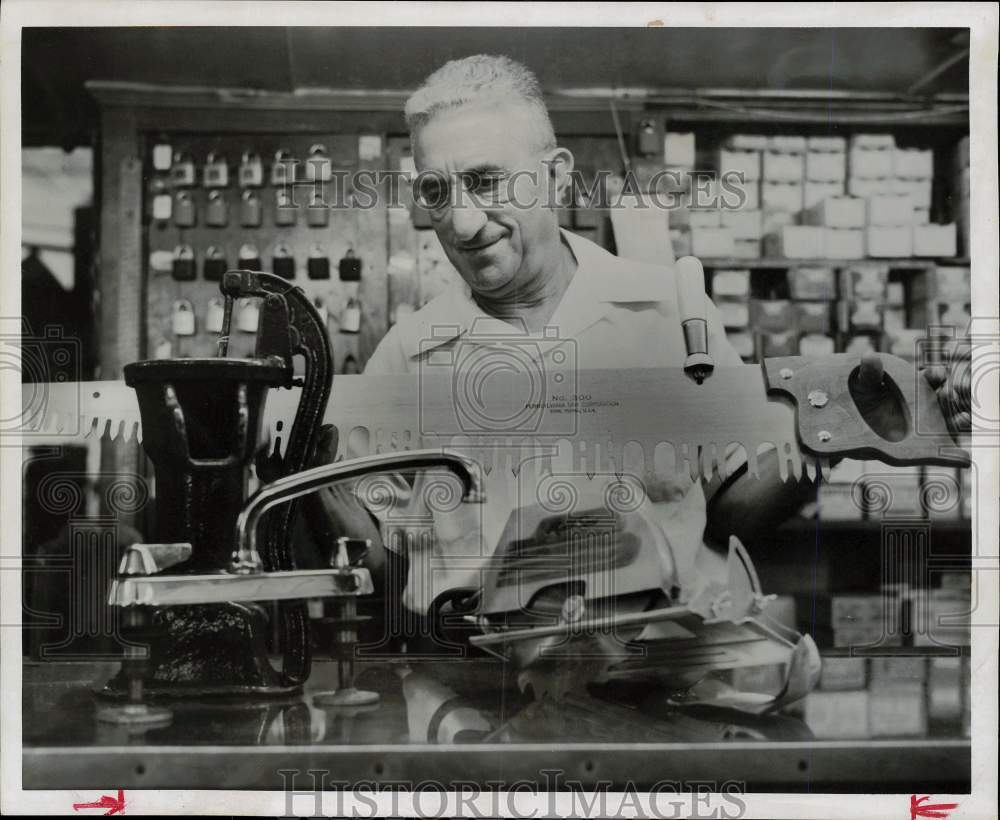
pixel 432 193
pixel 486 184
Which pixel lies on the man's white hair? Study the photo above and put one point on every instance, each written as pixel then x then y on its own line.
pixel 482 77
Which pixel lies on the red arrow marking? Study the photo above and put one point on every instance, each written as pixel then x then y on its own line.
pixel 921 808
pixel 112 804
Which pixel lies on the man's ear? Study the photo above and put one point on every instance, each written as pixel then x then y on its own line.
pixel 559 164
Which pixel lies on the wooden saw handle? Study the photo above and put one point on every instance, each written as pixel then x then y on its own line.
pixel 829 422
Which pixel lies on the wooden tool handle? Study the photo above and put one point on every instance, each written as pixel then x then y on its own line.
pixel 829 422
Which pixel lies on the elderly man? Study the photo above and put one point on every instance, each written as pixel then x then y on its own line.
pixel 490 171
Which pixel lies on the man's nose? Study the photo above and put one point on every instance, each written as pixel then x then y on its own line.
pixel 467 220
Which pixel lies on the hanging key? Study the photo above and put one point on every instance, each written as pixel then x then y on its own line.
pixel 318 213
pixel 318 168
pixel 283 169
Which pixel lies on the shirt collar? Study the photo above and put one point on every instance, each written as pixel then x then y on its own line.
pixel 601 281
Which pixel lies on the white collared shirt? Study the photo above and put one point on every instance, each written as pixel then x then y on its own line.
pixel 619 314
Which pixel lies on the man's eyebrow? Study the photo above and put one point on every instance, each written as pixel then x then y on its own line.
pixel 486 168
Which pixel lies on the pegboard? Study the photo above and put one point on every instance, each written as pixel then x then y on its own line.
pixel 361 230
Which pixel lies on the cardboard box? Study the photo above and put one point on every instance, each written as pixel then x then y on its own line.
pixel 787 144
pixel 893 319
pixel 782 196
pixel 904 343
pixel 711 242
pixel 826 167
pixel 889 242
pixel 951 284
pixel 745 224
pixel 837 212
pixel 866 188
pixel 746 249
pixel 816 345
pixel 843 243
pixel 772 220
pixel 935 240
pixel 873 142
pixel 900 668
pixel 866 164
pixel 778 167
pixel 837 715
pixel 746 163
pixel 812 317
pixel 834 145
pixel 843 674
pixel 773 315
pixel 865 281
pixel 731 284
pixel 812 284
pixel 814 192
pixel 890 209
pixel 779 344
pixel 751 195
pixel 746 142
pixel 854 609
pixel 742 343
pixel 734 314
pixel 796 242
pixel 921 216
pixel 945 682
pixel 912 163
pixel 919 190
pixel 679 149
pixel 897 710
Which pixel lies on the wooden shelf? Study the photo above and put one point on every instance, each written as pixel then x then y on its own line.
pixel 777 262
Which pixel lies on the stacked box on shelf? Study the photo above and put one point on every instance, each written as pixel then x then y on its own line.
pixel 942 291
pixel 731 293
pixel 942 617
pixel 962 182
pixel 783 169
pixel 862 299
pixel 825 169
pixel 842 219
pixel 812 290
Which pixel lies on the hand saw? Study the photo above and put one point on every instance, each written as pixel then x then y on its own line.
pixel 802 407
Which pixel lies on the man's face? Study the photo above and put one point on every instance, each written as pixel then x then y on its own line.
pixel 496 234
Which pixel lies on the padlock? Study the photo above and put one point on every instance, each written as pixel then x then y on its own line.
pixel 183 268
pixel 648 141
pixel 283 263
pixel 250 210
pixel 318 264
pixel 163 156
pixel 216 172
pixel 217 210
pixel 285 210
pixel 215 264
pixel 283 169
pixel 163 207
pixel 249 258
pixel 182 170
pixel 318 167
pixel 248 315
pixel 214 315
pixel 350 319
pixel 185 211
pixel 320 304
pixel 318 213
pixel 251 173
pixel 182 318
pixel 350 267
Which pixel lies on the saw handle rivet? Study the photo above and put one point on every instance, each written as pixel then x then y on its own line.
pixel 786 373
pixel 818 398
pixel 824 435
